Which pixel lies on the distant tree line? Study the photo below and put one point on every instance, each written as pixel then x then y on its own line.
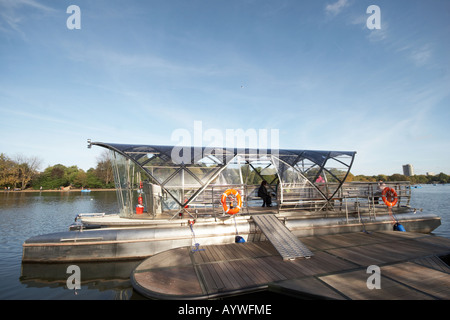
pixel 416 179
pixel 19 173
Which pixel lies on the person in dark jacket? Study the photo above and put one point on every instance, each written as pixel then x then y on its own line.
pixel 264 194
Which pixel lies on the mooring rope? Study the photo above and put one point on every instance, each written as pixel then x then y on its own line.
pixel 194 244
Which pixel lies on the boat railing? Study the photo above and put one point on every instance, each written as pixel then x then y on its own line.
pixel 366 198
pixel 359 197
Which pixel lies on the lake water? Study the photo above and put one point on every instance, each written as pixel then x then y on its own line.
pixel 23 215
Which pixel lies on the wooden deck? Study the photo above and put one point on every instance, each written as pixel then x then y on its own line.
pixel 409 263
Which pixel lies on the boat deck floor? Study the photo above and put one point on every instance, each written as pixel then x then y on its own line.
pixel 410 268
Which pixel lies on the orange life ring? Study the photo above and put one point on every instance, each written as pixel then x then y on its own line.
pixel 389 196
pixel 224 201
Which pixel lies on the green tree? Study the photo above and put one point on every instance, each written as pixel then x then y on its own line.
pixel 397 177
pixel 381 177
pixel 79 179
pixel 104 170
pixel 92 180
pixel 442 178
pixel 7 177
pixel 27 168
pixel 362 178
pixel 52 178
pixel 350 177
pixel 18 172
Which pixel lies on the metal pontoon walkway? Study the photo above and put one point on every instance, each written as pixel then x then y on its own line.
pixel 287 244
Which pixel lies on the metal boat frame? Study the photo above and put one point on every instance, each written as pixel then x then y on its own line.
pixel 195 177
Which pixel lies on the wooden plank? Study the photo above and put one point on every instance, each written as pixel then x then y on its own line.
pixel 274 274
pixel 308 287
pixel 211 280
pixel 433 262
pixel 411 249
pixel 344 240
pixel 243 273
pixel 267 248
pixel 438 245
pixel 234 272
pixel 354 286
pixel 207 254
pixel 334 241
pixel 253 250
pixel 287 268
pixel 170 281
pixel 220 271
pixel 252 278
pixel 260 275
pixel 322 263
pixel 245 250
pixel 231 253
pixel 437 241
pixel 166 259
pixel 198 256
pixel 356 255
pixel 385 254
pixel 215 254
pixel 227 276
pixel 433 282
pixel 241 250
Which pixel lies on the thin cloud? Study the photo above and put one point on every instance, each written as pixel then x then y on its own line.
pixel 11 15
pixel 377 35
pixel 336 8
pixel 421 56
pixel 19 4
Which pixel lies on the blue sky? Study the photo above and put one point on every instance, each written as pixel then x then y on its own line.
pixel 137 71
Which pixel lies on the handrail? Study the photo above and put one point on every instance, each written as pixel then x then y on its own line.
pixel 306 197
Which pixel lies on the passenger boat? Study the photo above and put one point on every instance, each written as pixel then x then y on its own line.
pixel 172 196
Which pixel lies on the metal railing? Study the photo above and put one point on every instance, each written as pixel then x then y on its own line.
pixel 353 197
pixel 309 199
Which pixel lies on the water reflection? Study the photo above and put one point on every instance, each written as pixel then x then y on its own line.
pixel 27 214
pixel 113 278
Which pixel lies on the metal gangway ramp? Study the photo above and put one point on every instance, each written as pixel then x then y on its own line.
pixel 286 243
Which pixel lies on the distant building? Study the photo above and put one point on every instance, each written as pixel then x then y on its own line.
pixel 431 174
pixel 408 170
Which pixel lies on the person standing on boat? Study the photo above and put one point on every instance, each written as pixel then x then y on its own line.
pixel 264 194
pixel 377 194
